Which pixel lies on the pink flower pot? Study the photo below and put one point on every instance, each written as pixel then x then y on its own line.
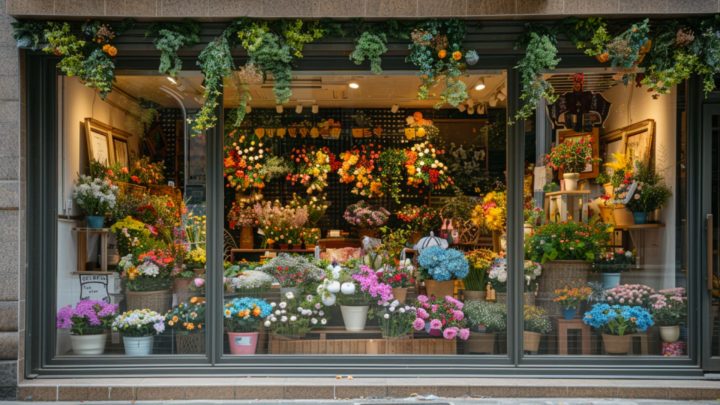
pixel 243 342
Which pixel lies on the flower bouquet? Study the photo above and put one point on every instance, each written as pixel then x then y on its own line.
pixel 147 278
pixel 291 271
pixel 536 323
pixel 617 322
pixel 366 217
pixel 358 168
pixel 424 168
pixel 491 213
pixel 280 224
pixel 132 236
pixel 420 219
pixel 439 267
pixel 95 197
pixel 247 165
pixel 138 327
pixel 294 316
pixel 311 167
pixel 395 319
pixel 571 298
pixel 669 309
pixel 480 261
pixel 188 320
pixel 441 317
pixel 241 215
pixel 87 321
pixel 242 318
pixel 420 127
pixel 399 277
pixel 630 294
pixel 391 162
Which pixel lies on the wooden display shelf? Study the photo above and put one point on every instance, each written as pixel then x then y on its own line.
pixel 560 206
pixel 638 236
pixel 83 234
pixel 317 342
pixel 639 227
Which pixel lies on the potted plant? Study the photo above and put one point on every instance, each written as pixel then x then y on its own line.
pixel 95 197
pixel 570 299
pixel 241 216
pixel 419 219
pixel 566 251
pixel 291 271
pixel 480 261
pixel 147 280
pixel 368 218
pixel 611 264
pixel 571 158
pixel 183 276
pixel 441 317
pixel 497 277
pixel 354 303
pixel 293 316
pixel 617 323
pixel 536 323
pixel 242 318
pixel 439 267
pixel 643 192
pixel 138 328
pixel 532 271
pixel 187 319
pixel 669 309
pixel 395 319
pixel 486 319
pixel 246 282
pixel 88 323
pixel 399 277
pixel 620 175
pixel 630 294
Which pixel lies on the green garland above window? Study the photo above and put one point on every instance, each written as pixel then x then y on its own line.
pixel 168 39
pixel 371 41
pixel 216 63
pixel 540 56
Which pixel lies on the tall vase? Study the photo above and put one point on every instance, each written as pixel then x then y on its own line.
pixel 243 342
pixel 354 317
pixel 571 181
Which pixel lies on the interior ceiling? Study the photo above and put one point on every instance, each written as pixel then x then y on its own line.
pixel 375 91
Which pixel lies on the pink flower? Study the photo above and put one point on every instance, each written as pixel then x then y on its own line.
pixel 464 334
pixel 422 299
pixel 458 315
pixel 418 324
pixel 450 333
pixel 199 282
pixel 435 324
pixel 422 314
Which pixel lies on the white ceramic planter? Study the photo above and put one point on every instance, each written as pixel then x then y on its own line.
pixel 571 181
pixel 670 334
pixel 354 317
pixel 88 344
pixel 138 346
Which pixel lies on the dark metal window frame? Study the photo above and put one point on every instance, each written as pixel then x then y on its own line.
pixel 494 42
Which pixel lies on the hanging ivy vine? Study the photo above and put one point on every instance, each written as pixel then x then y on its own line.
pixel 216 63
pixel 370 46
pixel 540 56
pixel 168 39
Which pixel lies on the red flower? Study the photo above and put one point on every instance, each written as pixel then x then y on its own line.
pixel 135 179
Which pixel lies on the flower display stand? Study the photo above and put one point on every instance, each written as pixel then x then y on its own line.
pixel 83 236
pixel 563 205
pixel 563 326
pixel 339 341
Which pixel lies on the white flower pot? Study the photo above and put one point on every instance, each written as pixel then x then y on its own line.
pixel 88 344
pixel 571 181
pixel 138 346
pixel 670 334
pixel 354 317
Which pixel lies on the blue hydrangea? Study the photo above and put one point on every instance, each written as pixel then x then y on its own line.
pixel 618 319
pixel 444 264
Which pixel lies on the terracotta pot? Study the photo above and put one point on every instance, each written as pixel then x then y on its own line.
pixel 571 181
pixel 616 344
pixel 246 237
pixel 439 289
pixel 670 334
pixel 471 295
pixel 400 294
pixel 531 341
pixel 622 216
pixel 480 343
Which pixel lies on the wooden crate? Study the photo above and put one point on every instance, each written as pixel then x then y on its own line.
pixel 318 343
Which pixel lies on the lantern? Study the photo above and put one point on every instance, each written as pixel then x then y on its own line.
pixel 430 240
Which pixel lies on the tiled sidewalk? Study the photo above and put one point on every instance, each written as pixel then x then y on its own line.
pixel 162 389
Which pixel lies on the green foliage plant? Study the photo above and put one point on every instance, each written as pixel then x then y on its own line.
pixel 168 39
pixel 215 61
pixel 370 46
pixel 540 56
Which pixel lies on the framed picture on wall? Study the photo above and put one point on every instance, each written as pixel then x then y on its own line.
pixel 99 144
pixel 121 149
pixel 591 170
pixel 635 141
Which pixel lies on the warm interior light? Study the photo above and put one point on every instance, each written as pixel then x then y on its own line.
pixel 501 95
pixel 480 85
pixel 315 108
pixel 471 110
pixel 353 85
pixel 279 108
pixel 493 102
pixel 172 80
pixel 298 109
pixel 394 109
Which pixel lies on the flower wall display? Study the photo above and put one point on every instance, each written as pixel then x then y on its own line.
pixel 424 169
pixel 491 213
pixel 443 317
pixel 311 167
pixel 364 215
pixel 358 168
pixel 391 162
pixel 247 163
pixel 418 218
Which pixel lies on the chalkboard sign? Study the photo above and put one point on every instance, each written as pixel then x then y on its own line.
pixel 94 287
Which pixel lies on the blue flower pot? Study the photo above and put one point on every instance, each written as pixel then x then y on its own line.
pixel 610 280
pixel 95 221
pixel 569 313
pixel 640 217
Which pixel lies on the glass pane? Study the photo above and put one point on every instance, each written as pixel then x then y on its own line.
pixel 715 303
pixel 131 237
pixel 340 197
pixel 605 221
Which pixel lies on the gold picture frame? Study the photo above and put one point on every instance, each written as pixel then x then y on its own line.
pixel 635 141
pixel 99 141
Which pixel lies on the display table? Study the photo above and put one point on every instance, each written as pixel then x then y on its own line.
pixel 83 234
pixel 563 205
pixel 563 326
pixel 639 237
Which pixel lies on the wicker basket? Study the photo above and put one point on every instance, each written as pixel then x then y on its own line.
pixel 558 274
pixel 131 189
pixel 190 343
pixel 158 301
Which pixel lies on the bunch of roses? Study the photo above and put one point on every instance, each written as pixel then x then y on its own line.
pixel 244 158
pixel 358 167
pixel 424 168
pixel 441 316
pixel 311 167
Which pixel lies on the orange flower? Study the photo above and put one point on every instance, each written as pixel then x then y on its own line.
pixel 417 116
pixel 442 54
pixel 457 55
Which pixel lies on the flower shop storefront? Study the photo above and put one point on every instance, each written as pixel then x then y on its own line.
pixel 371 198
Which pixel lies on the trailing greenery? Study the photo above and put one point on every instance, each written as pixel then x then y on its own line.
pixel 436 49
pixel 168 39
pixel 540 55
pixel 370 46
pixel 29 34
pixel 216 63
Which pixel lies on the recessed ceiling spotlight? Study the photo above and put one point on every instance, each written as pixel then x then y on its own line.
pixel 171 80
pixel 279 108
pixel 315 108
pixel 394 109
pixel 248 109
pixel 480 85
pixel 298 109
pixel 461 107
pixel 353 85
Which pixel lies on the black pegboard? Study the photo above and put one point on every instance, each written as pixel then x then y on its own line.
pixel 168 118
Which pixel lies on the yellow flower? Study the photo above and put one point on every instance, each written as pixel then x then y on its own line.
pixel 620 161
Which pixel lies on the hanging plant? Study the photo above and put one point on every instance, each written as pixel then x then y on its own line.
pixel 168 39
pixel 216 63
pixel 436 50
pixel 627 49
pixel 540 55
pixel 370 46
pixel 589 35
pixel 390 164
pixel 29 35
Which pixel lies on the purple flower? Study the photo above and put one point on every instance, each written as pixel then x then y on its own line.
pixel 450 333
pixel 199 282
pixel 423 299
pixel 419 324
pixel 159 327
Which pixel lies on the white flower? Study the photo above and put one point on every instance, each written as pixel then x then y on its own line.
pixel 283 305
pixel 347 288
pixel 277 312
pixel 293 318
pixel 267 324
pixel 314 321
pixel 283 319
pixel 386 316
pixel 289 295
pixel 323 321
pixel 401 310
